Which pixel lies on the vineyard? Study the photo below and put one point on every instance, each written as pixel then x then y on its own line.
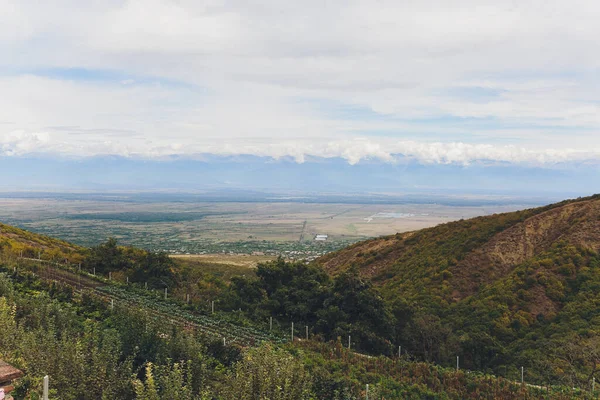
pixel 209 325
pixel 167 311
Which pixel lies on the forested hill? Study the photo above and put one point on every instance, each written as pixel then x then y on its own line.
pixel 458 259
pixel 515 288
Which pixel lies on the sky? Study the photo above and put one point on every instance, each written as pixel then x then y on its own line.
pixel 437 83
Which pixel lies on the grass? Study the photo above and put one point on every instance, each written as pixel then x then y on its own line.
pixel 234 260
pixel 222 266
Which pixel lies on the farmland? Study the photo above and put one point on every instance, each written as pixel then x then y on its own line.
pixel 209 325
pixel 208 322
pixel 238 227
pixel 223 266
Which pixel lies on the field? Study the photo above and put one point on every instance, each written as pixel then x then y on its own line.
pixel 231 260
pixel 201 227
pixel 224 266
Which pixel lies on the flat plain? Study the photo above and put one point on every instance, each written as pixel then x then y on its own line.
pixel 265 228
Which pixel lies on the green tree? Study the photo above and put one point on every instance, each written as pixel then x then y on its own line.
pixel 356 308
pixel 268 373
pixel 107 257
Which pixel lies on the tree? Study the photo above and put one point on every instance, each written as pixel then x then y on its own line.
pixel 171 381
pixel 154 268
pixel 431 337
pixel 107 257
pixel 356 308
pixel 270 373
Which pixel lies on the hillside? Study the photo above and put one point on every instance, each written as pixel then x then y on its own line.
pixel 468 254
pixel 17 242
pixel 502 289
pixel 105 336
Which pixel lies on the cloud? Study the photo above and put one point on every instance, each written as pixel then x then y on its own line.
pixel 20 143
pixel 354 151
pixel 438 82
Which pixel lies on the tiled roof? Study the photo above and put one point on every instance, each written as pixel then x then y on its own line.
pixel 8 372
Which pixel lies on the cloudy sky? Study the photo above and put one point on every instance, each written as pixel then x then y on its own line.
pixel 439 82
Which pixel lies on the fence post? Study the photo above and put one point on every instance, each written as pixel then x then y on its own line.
pixel 457 363
pixel 348 342
pixel 112 304
pixel 292 332
pixel 213 306
pixel 166 293
pixel 46 388
pixel 399 351
pixel 367 392
pixel 522 373
pixel 306 332
pixel 270 324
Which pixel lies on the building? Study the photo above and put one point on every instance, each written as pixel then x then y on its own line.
pixel 8 374
pixel 321 238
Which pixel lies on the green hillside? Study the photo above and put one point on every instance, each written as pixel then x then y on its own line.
pixel 500 291
pixel 139 350
pixel 15 242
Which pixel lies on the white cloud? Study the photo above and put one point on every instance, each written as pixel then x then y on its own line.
pixel 355 150
pixel 241 68
pixel 19 142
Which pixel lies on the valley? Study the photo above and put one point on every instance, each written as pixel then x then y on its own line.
pixel 246 226
pixel 512 297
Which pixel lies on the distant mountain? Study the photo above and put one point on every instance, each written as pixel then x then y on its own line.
pixel 322 175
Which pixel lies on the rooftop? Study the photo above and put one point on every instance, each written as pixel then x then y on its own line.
pixel 8 373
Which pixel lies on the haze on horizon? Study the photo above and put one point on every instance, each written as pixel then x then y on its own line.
pixel 493 93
